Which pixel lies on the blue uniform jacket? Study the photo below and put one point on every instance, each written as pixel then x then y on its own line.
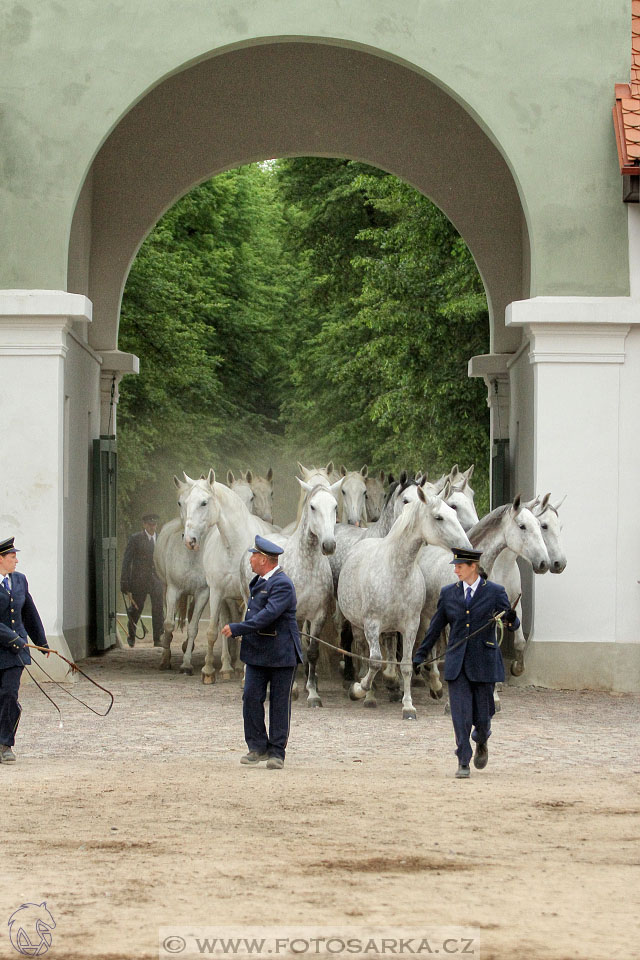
pixel 270 636
pixel 481 654
pixel 18 619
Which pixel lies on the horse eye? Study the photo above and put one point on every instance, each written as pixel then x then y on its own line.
pixel 179 503
pixel 453 506
pixel 204 503
pixel 438 518
pixel 544 526
pixel 522 526
pixel 312 507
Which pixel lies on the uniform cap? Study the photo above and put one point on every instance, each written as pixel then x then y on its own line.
pixel 150 518
pixel 266 547
pixel 6 546
pixel 462 555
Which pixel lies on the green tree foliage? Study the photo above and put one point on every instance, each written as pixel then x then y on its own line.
pixel 202 306
pixel 380 373
pixel 322 296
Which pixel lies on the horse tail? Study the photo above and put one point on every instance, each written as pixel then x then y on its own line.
pixel 181 610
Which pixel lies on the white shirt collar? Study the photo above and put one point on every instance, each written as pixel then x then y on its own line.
pixel 474 586
pixel 271 572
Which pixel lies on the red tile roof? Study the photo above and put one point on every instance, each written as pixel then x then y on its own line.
pixel 626 112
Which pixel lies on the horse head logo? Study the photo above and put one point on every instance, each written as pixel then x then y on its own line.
pixel 29 929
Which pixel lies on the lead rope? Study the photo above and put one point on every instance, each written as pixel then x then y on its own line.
pixel 496 619
pixel 74 669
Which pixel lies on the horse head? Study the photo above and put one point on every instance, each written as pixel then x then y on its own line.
pixel 199 508
pixel 353 493
pixel 242 488
pixel 547 516
pixel 440 524
pixel 524 536
pixel 319 513
pixel 262 488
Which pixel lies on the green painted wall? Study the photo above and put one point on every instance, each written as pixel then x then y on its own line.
pixel 538 77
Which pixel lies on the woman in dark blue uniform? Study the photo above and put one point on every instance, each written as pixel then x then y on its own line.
pixel 473 662
pixel 19 621
pixel 271 651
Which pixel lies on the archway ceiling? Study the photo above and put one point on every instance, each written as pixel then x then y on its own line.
pixel 297 99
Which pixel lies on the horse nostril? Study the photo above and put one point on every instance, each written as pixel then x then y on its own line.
pixel 328 547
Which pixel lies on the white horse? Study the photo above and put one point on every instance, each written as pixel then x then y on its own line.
pixel 225 547
pixel 178 560
pixel 374 496
pixel 381 588
pixel 507 572
pixel 352 499
pixel 256 492
pixel 305 561
pixel 454 497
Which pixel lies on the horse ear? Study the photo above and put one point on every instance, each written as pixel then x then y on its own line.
pixel 177 482
pixel 446 491
pixel 303 470
pixel 517 503
pixel 343 471
pixel 381 476
pixel 469 473
pixel 463 485
pixel 329 468
pixel 557 505
pixel 186 478
pixel 335 487
pixel 454 472
pixel 230 477
pixel 303 483
pixel 390 479
pixel 248 476
pixel 404 476
pixel 364 471
pixel 421 495
pixel 270 474
pixel 211 477
pixel 545 502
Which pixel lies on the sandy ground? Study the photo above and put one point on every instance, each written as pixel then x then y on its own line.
pixel 146 819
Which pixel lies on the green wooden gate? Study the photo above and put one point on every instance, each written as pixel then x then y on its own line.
pixel 105 475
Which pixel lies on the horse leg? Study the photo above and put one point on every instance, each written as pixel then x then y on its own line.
pixel 406 669
pixel 313 652
pixel 208 669
pixel 389 648
pixel 200 602
pixel 519 644
pixel 169 627
pixel 359 690
pixel 346 642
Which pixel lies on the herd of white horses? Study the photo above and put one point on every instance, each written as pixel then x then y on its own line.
pixel 367 554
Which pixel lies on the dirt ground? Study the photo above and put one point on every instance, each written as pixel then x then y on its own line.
pixel 146 820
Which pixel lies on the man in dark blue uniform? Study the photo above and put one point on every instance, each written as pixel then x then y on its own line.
pixel 271 651
pixel 473 662
pixel 139 579
pixel 19 620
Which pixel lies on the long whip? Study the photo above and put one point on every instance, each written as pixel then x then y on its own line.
pixel 74 669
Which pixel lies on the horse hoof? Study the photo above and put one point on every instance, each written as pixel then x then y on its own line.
pixel 314 702
pixel 187 670
pixel 517 668
pixel 409 713
pixel 447 708
pixel 370 704
pixel 227 675
pixel 436 694
pixel 208 678
pixel 164 665
pixel 356 692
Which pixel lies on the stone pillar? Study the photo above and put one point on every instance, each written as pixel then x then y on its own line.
pixel 586 397
pixel 114 367
pixel 493 368
pixel 34 326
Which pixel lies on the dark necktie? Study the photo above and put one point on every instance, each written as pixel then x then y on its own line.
pixel 5 584
pixel 469 595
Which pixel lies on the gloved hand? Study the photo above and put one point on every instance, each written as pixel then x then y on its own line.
pixel 417 665
pixel 16 645
pixel 510 616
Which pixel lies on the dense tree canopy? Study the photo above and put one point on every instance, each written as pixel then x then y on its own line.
pixel 308 309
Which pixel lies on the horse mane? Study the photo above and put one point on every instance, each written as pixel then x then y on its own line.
pixel 406 519
pixel 489 521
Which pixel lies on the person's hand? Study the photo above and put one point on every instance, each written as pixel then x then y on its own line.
pixel 226 631
pixel 417 664
pixel 510 616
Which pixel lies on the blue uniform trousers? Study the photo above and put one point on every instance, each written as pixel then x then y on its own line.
pixel 472 705
pixel 9 706
pixel 280 680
